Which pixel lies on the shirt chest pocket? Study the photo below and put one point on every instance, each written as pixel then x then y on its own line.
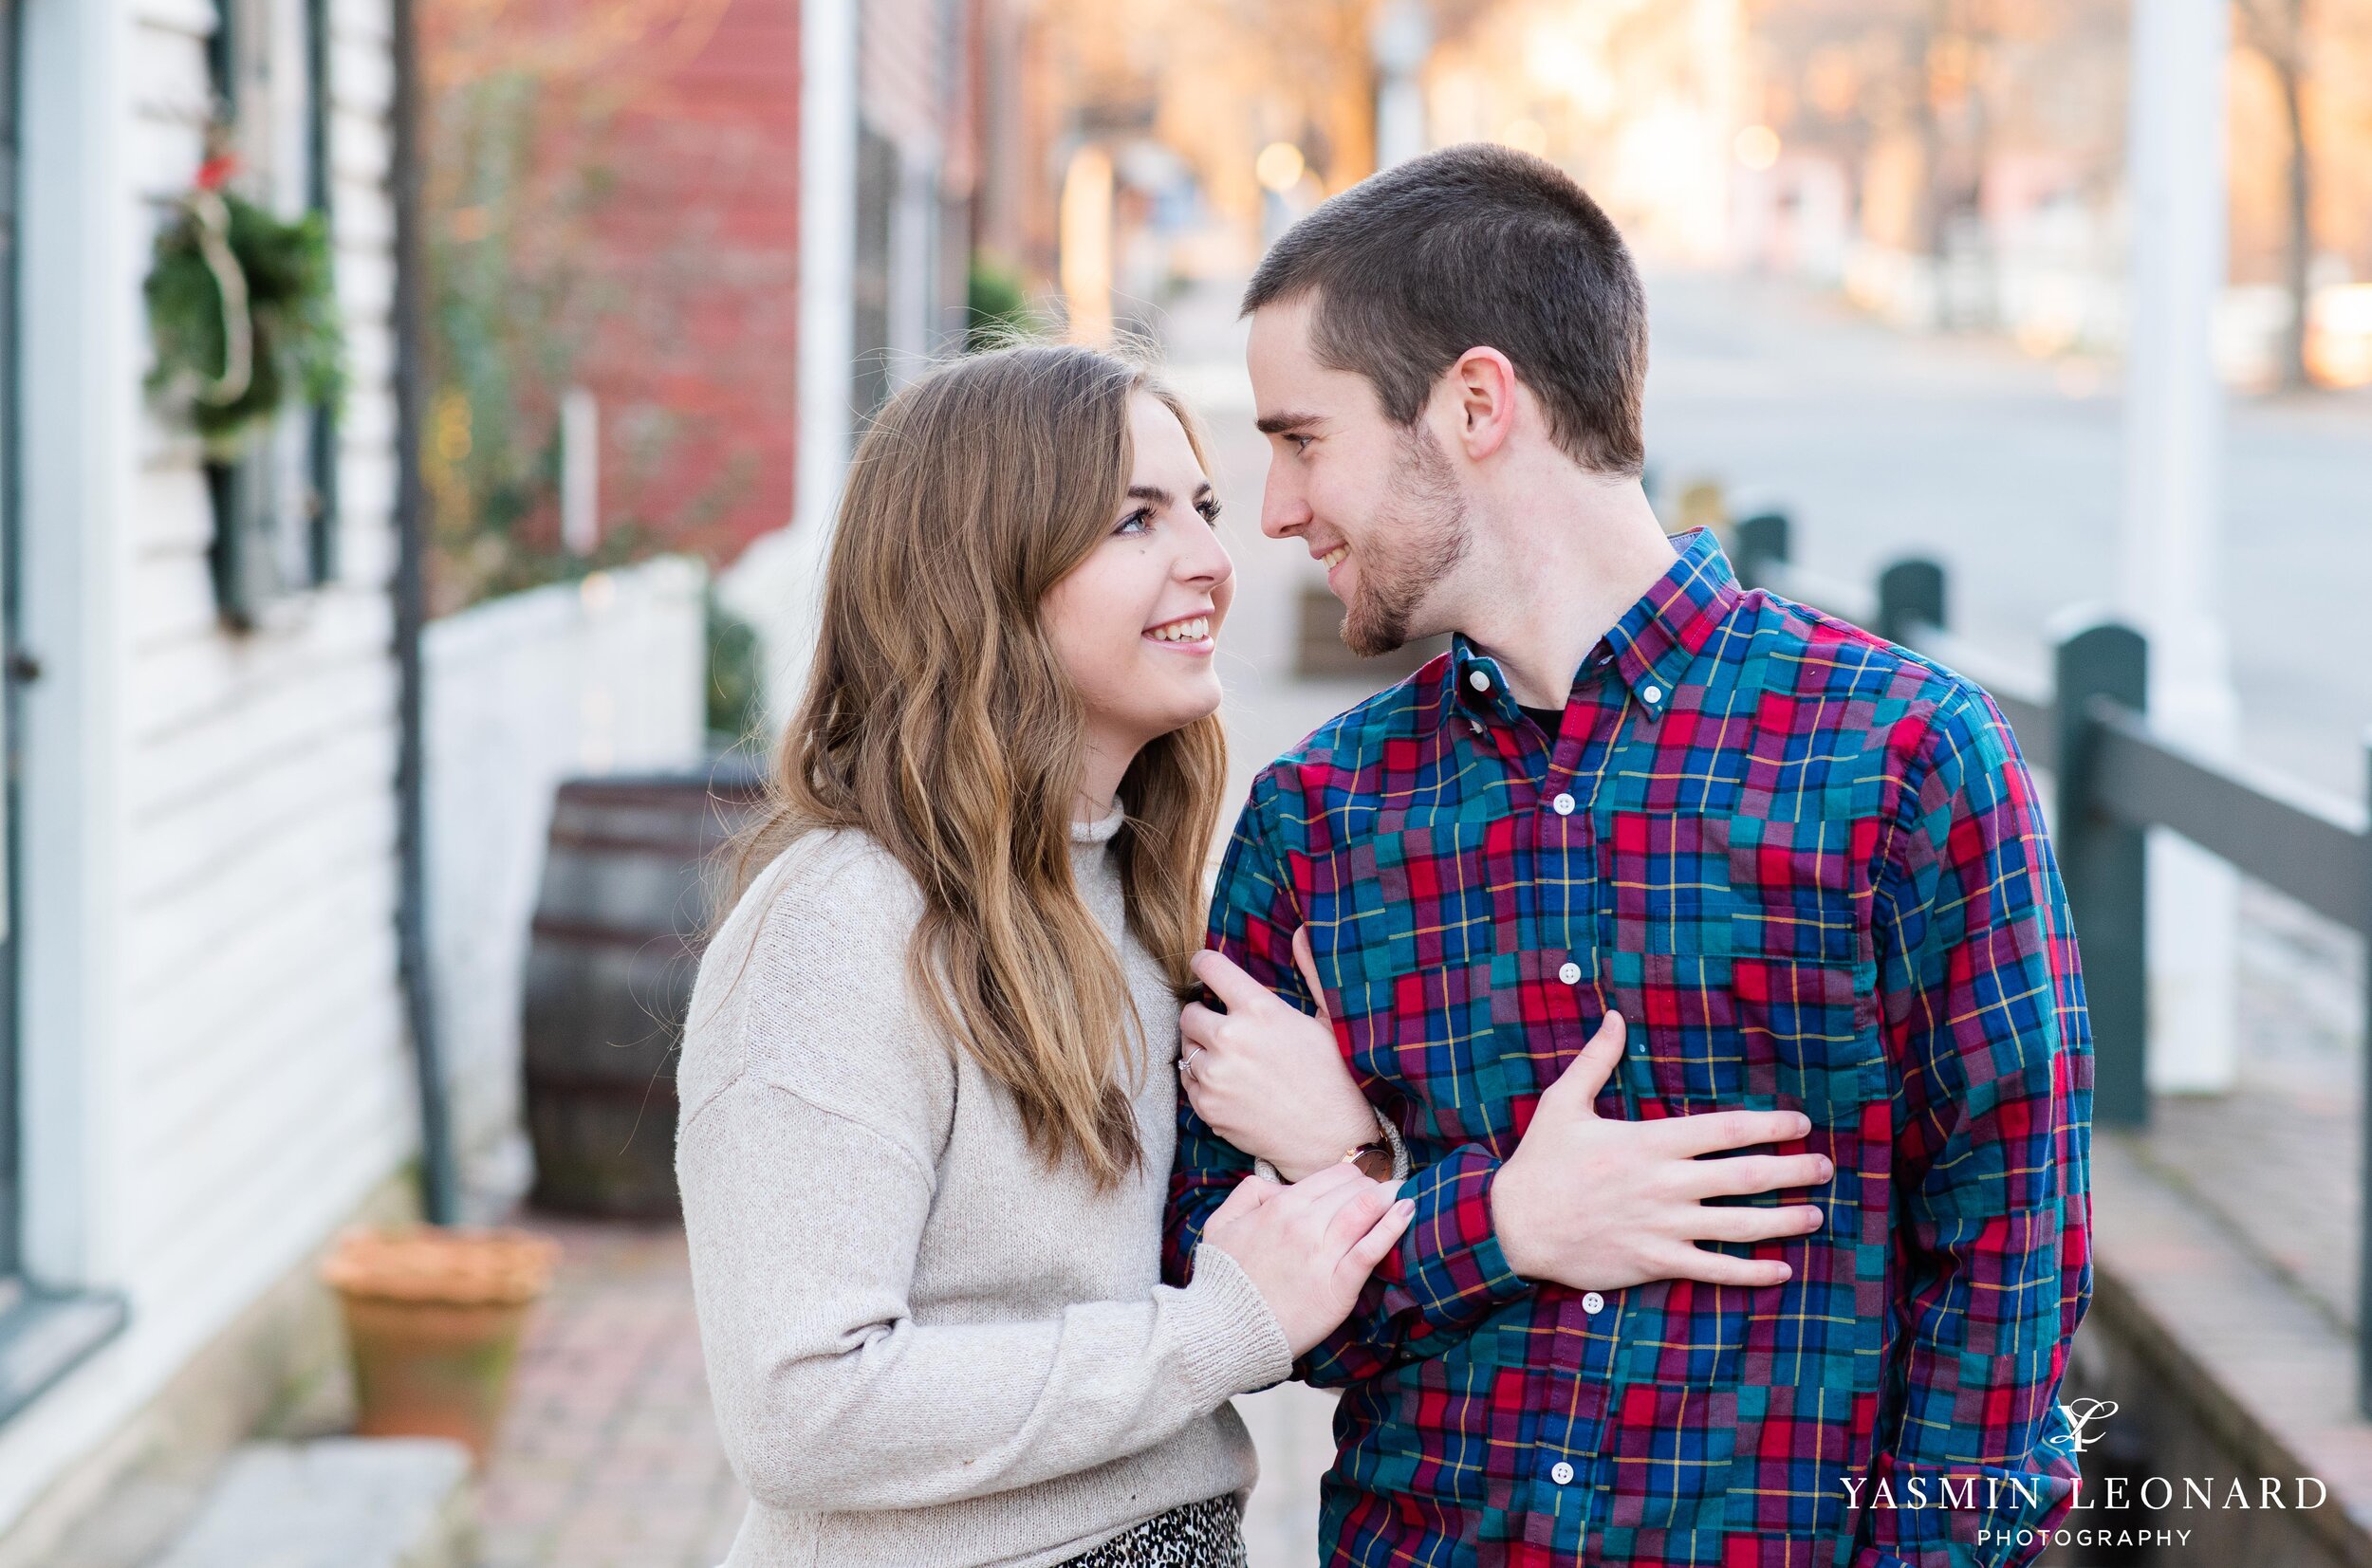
pixel 1737 946
pixel 1460 961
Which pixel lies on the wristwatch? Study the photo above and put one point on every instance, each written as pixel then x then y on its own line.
pixel 1374 1159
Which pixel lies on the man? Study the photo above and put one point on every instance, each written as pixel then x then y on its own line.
pixel 1805 866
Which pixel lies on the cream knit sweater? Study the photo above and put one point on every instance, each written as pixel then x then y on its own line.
pixel 926 1348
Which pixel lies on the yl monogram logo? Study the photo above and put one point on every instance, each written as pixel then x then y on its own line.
pixel 2081 1416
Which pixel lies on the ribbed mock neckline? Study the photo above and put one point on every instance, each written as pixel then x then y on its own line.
pixel 1101 831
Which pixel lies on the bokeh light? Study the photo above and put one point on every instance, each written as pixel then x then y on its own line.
pixel 1280 166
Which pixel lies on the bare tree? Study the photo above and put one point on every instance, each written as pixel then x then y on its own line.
pixel 2276 30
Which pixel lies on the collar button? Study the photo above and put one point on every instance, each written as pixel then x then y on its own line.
pixel 1479 680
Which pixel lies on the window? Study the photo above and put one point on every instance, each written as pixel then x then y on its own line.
pixel 275 507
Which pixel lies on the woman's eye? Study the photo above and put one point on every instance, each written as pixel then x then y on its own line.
pixel 1136 522
pixel 1210 510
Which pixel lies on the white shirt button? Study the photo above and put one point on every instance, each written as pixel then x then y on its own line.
pixel 1593 1303
pixel 1571 973
pixel 1652 693
pixel 1564 805
pixel 1478 725
pixel 1560 1473
pixel 1479 680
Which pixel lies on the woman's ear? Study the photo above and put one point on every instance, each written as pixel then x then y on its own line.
pixel 1484 380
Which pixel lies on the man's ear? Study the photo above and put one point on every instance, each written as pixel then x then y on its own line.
pixel 1484 383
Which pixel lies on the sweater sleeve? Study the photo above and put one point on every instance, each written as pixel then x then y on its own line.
pixel 804 1211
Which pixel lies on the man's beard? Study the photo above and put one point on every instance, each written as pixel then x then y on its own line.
pixel 1413 544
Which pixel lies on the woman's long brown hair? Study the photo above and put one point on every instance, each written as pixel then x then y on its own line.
pixel 940 721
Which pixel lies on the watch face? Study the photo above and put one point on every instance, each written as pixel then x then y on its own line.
pixel 1375 1162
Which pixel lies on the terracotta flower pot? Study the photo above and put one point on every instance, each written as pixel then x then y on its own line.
pixel 433 1320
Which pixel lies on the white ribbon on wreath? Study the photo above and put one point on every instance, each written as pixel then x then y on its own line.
pixel 211 216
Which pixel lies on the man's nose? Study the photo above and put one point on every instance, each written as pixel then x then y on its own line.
pixel 1283 511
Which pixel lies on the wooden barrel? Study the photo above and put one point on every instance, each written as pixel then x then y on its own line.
pixel 631 880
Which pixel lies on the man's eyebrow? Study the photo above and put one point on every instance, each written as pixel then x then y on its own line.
pixel 1277 424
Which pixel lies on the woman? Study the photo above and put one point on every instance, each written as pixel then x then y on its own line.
pixel 928 1090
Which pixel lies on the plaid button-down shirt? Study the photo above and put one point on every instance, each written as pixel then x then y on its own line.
pixel 1810 869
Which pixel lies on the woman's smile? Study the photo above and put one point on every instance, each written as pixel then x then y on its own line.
pixel 1186 635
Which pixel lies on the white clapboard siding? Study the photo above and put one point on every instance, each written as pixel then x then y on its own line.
pixel 168 598
pixel 275 870
pixel 269 898
pixel 192 678
pixel 230 1249
pixel 304 1051
pixel 261 1001
pixel 253 1082
pixel 256 1053
pixel 170 512
pixel 191 18
pixel 283 1054
pixel 229 750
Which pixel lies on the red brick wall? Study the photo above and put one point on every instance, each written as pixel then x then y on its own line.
pixel 693 348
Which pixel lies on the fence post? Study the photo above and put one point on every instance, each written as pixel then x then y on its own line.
pixel 1762 539
pixel 2363 1216
pixel 1910 593
pixel 2104 867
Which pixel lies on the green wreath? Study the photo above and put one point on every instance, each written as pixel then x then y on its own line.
pixel 243 314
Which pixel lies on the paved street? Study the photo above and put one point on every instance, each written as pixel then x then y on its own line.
pixel 2008 469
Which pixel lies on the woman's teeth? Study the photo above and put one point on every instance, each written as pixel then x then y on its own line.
pixel 1182 631
pixel 1333 558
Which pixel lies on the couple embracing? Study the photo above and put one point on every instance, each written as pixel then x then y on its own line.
pixel 1640 1059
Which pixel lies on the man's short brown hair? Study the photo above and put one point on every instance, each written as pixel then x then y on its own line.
pixel 1476 247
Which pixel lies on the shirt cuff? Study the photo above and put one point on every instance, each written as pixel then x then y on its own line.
pixel 1452 1266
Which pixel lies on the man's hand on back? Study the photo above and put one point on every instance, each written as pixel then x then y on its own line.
pixel 1600 1205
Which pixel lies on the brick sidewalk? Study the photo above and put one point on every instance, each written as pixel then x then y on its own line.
pixel 610 1457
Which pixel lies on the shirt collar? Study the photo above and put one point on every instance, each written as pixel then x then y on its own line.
pixel 1650 648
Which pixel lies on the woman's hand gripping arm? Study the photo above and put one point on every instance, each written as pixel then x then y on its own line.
pixel 1270 1078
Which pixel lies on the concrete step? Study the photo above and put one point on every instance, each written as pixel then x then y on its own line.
pixel 338 1503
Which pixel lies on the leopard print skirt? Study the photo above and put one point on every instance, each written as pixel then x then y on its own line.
pixel 1200 1535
